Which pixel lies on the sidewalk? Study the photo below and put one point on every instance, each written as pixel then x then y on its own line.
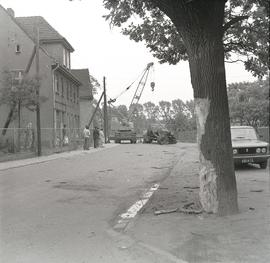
pixel 244 237
pixel 47 158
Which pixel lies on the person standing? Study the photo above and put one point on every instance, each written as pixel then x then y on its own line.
pixel 64 135
pixel 96 137
pixel 29 137
pixel 86 136
pixel 101 138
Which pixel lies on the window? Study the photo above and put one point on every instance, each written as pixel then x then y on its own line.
pixel 66 58
pixel 18 48
pixel 62 87
pixel 67 89
pixel 17 76
pixel 56 83
pixel 70 92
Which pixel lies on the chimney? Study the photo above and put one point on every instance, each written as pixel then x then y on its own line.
pixel 11 12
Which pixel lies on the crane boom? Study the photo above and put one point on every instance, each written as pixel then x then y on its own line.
pixel 140 87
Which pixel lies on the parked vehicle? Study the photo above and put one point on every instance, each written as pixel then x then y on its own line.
pixel 161 136
pixel 166 137
pixel 248 148
pixel 125 135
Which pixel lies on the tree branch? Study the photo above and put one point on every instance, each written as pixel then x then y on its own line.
pixel 233 61
pixel 234 21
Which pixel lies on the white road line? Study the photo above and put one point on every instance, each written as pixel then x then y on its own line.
pixel 138 205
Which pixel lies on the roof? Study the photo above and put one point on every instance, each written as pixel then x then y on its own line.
pixel 47 33
pixel 67 74
pixel 84 77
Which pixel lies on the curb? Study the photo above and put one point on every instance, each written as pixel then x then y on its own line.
pixel 43 159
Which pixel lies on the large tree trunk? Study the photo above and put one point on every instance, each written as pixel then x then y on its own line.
pixel 218 191
pixel 200 24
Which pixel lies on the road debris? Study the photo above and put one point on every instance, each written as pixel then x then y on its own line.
pixel 162 167
pixel 191 211
pixel 179 210
pixel 191 187
pixel 188 205
pixel 160 212
pixel 257 191
pixel 103 171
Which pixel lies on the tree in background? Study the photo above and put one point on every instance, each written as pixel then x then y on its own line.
pixel 249 103
pixel 138 118
pixel 204 32
pixel 18 93
pixel 151 111
pixel 95 85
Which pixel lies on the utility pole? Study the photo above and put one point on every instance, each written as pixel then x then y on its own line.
pixel 37 95
pixel 93 115
pixel 105 112
pixel 19 111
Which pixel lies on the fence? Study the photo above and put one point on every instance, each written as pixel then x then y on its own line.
pixel 18 143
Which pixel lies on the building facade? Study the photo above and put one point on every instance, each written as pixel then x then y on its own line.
pixel 58 84
pixel 85 96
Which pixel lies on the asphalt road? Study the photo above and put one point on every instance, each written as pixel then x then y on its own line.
pixel 64 210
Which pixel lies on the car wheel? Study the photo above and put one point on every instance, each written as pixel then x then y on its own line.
pixel 263 165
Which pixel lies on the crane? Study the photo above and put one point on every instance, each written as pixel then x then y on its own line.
pixel 139 89
pixel 126 131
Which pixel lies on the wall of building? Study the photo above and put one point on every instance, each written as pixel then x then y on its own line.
pixel 53 104
pixel 86 111
pixel 10 36
pixel 57 50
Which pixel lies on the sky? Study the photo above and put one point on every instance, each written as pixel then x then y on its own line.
pixel 108 53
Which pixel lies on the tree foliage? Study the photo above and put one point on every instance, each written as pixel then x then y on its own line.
pixel 23 91
pixel 95 85
pixel 176 116
pixel 249 103
pixel 15 93
pixel 245 30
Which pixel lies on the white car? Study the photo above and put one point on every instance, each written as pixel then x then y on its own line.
pixel 247 147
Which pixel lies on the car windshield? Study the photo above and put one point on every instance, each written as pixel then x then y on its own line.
pixel 243 133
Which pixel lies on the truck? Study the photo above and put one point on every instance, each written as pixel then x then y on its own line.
pixel 158 133
pixel 125 134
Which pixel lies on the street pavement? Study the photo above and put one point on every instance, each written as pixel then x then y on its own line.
pixel 64 208
pixel 99 206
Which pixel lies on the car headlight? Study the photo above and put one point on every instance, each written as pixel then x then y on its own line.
pixel 235 151
pixel 263 150
pixel 258 150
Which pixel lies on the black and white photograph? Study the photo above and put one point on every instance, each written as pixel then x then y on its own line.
pixel 134 131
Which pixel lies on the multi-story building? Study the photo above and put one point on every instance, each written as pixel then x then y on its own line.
pixel 85 96
pixel 58 84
